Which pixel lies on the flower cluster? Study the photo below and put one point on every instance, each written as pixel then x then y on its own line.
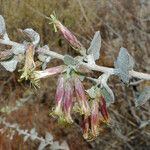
pixel 71 97
pixel 70 92
pixel 99 113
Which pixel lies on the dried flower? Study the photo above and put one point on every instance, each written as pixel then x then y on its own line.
pixel 81 97
pixel 29 65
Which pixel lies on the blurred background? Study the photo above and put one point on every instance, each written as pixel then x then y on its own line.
pixel 121 23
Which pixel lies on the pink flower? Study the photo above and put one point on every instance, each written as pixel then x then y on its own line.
pixel 68 101
pixel 86 127
pixel 69 36
pixel 59 96
pixel 81 97
pixel 103 109
pixel 95 118
pixel 48 72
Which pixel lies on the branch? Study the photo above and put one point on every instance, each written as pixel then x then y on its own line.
pixel 93 66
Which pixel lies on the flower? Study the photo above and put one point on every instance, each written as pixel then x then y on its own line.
pixel 68 35
pixel 95 118
pixel 103 109
pixel 29 65
pixel 68 101
pixel 81 97
pixel 86 127
pixel 48 72
pixel 59 95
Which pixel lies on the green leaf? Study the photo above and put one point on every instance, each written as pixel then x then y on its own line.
pixel 144 97
pixel 95 46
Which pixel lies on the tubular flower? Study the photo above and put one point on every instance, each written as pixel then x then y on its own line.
pixel 48 72
pixel 29 63
pixel 91 123
pixel 81 97
pixel 95 118
pixel 59 96
pixel 86 127
pixel 103 109
pixel 68 102
pixel 68 35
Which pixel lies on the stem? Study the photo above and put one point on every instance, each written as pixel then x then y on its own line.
pixel 94 67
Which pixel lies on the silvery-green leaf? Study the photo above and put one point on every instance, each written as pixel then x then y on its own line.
pixel 2 26
pixel 124 64
pixel 109 96
pixel 25 138
pixel 42 145
pixel 64 146
pixel 55 146
pixel 68 60
pixel 19 49
pixel 33 133
pixel 95 46
pixel 48 137
pixel 144 97
pixel 33 35
pixel 144 123
pixel 10 65
pixel 91 92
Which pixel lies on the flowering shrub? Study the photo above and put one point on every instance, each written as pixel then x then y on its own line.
pixel 71 96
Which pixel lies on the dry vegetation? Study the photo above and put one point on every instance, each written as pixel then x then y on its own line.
pixel 122 23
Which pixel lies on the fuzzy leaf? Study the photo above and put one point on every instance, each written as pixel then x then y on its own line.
pixel 68 60
pixel 10 65
pixel 33 35
pixel 95 46
pixel 124 64
pixel 109 96
pixel 48 137
pixel 42 145
pixel 2 26
pixel 144 97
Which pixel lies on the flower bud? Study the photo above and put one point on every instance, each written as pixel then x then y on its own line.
pixel 95 118
pixel 69 36
pixel 103 109
pixel 81 97
pixel 68 102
